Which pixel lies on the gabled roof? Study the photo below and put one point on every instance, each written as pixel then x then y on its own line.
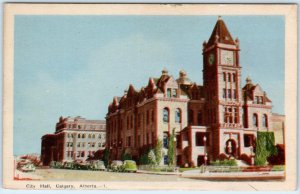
pixel 220 30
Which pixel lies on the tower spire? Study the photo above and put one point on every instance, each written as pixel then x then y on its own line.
pixel 220 33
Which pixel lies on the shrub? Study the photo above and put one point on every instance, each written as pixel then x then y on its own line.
pixel 151 157
pixel 265 147
pixel 171 149
pixel 158 151
pixel 222 157
pixel 246 158
pixel 226 162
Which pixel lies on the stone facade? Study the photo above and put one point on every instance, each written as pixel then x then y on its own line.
pixel 74 139
pixel 220 118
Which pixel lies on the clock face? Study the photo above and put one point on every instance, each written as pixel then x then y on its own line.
pixel 226 57
pixel 211 59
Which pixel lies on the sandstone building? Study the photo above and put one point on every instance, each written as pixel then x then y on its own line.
pixel 74 139
pixel 217 118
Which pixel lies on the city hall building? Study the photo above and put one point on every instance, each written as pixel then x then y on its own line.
pixel 74 139
pixel 218 118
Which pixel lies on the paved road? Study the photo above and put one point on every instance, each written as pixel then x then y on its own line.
pixel 82 175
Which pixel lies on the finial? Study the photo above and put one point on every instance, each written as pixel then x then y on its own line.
pixel 248 80
pixel 219 17
pixel 182 73
pixel 164 71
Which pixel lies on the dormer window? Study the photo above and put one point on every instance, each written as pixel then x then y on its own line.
pixel 169 92
pixel 174 93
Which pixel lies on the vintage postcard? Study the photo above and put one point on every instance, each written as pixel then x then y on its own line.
pixel 150 96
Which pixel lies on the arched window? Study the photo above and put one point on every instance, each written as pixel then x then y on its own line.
pixel 79 135
pixel 90 136
pixel 99 136
pixel 93 136
pixel 82 154
pixel 83 135
pixel 191 116
pixel 166 115
pixel 255 120
pixel 224 77
pixel 265 120
pixel 178 115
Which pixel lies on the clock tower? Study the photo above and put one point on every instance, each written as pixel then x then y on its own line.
pixel 221 80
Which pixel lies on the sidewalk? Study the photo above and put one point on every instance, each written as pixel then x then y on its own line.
pixel 158 173
pixel 267 175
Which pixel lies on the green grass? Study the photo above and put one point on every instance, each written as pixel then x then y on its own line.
pixel 185 169
pixel 278 168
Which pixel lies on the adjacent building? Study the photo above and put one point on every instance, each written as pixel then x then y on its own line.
pixel 218 118
pixel 74 139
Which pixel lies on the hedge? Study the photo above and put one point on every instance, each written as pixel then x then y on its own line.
pixel 265 147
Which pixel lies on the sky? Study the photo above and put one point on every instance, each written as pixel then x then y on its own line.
pixel 75 65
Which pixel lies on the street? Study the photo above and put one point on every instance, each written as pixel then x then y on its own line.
pixel 83 175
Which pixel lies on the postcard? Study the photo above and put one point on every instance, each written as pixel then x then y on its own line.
pixel 150 96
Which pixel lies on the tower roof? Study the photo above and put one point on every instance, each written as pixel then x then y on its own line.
pixel 221 33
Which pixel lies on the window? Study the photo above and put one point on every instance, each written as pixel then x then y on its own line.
pixel 230 115
pixel 174 93
pixel 78 144
pixel 229 93
pixel 152 116
pixel 82 154
pixel 129 141
pixel 79 127
pixel 191 116
pixel 99 136
pixel 147 139
pixel 93 136
pixel 224 93
pixel 234 93
pixel 139 120
pixel 265 120
pixel 200 139
pixel 257 99
pixel 127 122
pixel 233 77
pixel 199 118
pixel 235 115
pixel 166 115
pixel 177 115
pixel 83 135
pixel 165 140
pixel 147 117
pixel 229 77
pixel 255 120
pixel 90 136
pixel 260 100
pixel 169 93
pixel 248 140
pixel 79 135
pixel 166 159
pixel 139 140
pixel 225 115
pixel 224 77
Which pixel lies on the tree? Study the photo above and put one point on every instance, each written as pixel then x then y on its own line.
pixel 151 157
pixel 171 148
pixel 158 151
pixel 265 147
pixel 106 157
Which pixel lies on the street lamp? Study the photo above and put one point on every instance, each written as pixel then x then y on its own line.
pixel 205 154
